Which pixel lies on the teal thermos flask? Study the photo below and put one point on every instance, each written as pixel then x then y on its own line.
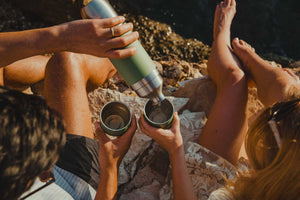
pixel 139 70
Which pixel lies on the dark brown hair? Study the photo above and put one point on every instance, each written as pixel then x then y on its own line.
pixel 31 138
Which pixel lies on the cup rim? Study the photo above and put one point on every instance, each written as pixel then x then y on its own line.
pixel 161 123
pixel 120 129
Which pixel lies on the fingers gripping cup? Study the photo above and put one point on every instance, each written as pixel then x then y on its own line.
pixel 159 115
pixel 115 118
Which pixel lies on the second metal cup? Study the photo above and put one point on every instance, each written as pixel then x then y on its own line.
pixel 115 118
pixel 159 115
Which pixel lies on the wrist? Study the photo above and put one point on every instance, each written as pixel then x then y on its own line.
pixel 53 40
pixel 176 153
pixel 109 168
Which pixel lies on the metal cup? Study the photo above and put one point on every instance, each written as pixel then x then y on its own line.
pixel 115 118
pixel 159 115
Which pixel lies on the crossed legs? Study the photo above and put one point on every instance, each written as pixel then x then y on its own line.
pixel 273 84
pixel 24 73
pixel 67 76
pixel 227 122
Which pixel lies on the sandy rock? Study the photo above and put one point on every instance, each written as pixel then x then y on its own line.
pixel 145 166
pixel 201 93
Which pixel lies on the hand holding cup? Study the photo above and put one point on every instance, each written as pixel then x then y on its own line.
pixel 169 139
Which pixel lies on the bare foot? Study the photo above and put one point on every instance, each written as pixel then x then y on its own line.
pixel 246 53
pixel 222 59
pixel 224 14
pixel 226 125
pixel 273 83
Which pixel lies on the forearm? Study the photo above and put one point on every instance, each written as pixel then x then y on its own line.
pixel 22 44
pixel 182 185
pixel 108 184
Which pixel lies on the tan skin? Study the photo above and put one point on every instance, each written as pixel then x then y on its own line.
pixel 21 69
pixel 68 75
pixel 66 78
pixel 65 91
pixel 227 123
pixel 272 83
pixel 171 140
pixel 65 83
pixel 92 36
pixel 111 153
pixel 24 73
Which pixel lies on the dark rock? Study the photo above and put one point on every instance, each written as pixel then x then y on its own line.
pixel 270 26
pixel 159 67
pixel 12 19
pixel 295 64
pixel 51 11
pixel 282 60
pixel 174 72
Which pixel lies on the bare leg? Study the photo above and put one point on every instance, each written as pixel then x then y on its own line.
pixel 273 84
pixel 66 77
pixel 1 77
pixel 227 122
pixel 26 72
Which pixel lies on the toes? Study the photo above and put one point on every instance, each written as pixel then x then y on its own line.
pixel 233 3
pixel 226 3
pixel 248 46
pixel 237 43
pixel 242 42
pixel 221 4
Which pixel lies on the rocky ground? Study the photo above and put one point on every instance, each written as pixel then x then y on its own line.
pixel 177 59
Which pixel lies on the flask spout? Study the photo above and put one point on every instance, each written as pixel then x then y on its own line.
pixel 150 87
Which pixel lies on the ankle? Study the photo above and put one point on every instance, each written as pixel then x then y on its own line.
pixel 223 34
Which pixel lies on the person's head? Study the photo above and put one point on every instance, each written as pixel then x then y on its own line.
pixel 31 138
pixel 276 164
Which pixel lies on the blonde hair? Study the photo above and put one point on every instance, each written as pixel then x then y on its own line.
pixel 276 171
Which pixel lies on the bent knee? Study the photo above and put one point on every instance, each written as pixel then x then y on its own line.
pixel 231 77
pixel 66 64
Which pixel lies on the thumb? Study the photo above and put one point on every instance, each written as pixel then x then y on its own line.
pixel 100 134
pixel 176 120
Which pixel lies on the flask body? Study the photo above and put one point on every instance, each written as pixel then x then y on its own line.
pixel 138 71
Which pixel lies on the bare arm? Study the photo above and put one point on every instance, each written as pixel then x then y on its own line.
pixel 171 140
pixel 182 185
pixel 111 153
pixel 108 184
pixel 18 45
pixel 92 36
